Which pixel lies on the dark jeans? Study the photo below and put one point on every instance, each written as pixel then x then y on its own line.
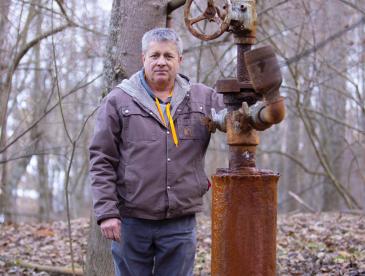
pixel 155 247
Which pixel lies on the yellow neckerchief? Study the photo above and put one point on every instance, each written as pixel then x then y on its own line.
pixel 169 117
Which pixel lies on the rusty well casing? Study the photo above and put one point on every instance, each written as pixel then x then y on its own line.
pixel 244 216
pixel 244 204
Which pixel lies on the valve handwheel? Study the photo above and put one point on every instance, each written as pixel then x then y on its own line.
pixel 212 14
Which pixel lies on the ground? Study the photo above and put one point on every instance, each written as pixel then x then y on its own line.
pixel 308 244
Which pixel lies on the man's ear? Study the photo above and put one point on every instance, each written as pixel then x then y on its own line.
pixel 142 58
pixel 180 59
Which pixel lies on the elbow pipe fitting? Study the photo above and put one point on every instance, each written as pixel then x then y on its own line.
pixel 265 114
pixel 264 71
pixel 273 112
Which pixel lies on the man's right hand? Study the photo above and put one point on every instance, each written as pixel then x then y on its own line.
pixel 111 228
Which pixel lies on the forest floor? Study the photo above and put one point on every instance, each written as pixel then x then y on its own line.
pixel 308 244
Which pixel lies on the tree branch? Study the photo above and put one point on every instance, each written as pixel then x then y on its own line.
pixel 174 4
pixel 35 41
pixel 302 202
pixel 352 5
pixel 55 270
pixel 295 160
pixel 46 112
pixel 323 43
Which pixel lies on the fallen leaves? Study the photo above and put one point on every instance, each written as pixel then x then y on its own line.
pixel 323 244
pixel 44 244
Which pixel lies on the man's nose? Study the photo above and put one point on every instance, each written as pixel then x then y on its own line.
pixel 161 61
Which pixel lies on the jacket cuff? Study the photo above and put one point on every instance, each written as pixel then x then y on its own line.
pixel 100 219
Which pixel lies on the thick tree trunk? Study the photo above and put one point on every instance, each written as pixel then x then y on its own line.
pixel 129 21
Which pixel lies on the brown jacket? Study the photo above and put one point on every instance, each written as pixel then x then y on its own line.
pixel 136 169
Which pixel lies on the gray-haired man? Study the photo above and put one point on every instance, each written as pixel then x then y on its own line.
pixel 147 162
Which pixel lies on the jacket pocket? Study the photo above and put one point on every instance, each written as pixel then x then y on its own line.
pixel 202 178
pixel 191 122
pixel 138 125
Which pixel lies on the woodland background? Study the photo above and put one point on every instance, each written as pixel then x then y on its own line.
pixel 55 67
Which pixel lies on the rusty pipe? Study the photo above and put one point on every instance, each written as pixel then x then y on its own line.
pixel 264 71
pixel 244 214
pixel 273 112
pixel 265 114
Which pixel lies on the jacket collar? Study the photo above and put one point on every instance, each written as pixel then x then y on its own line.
pixel 135 87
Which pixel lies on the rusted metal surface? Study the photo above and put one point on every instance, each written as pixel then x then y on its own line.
pixel 264 72
pixel 244 21
pixel 242 73
pixel 244 223
pixel 274 111
pixel 239 132
pixel 241 157
pixel 244 198
pixel 232 86
pixel 236 92
pixel 222 16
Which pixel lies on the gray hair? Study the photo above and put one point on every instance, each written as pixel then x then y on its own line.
pixel 159 35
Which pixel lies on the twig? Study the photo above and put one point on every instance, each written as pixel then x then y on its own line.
pixel 174 4
pixel 352 5
pixel 323 43
pixel 53 269
pixel 46 113
pixel 3 161
pixel 297 198
pixel 272 7
pixel 67 181
pixel 295 160
pixel 67 178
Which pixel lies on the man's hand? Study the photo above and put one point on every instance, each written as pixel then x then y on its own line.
pixel 110 228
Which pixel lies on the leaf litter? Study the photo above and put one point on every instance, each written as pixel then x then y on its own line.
pixel 307 244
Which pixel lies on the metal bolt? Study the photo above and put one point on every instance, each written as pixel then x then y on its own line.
pixel 243 8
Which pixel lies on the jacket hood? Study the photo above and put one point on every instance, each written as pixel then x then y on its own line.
pixel 133 87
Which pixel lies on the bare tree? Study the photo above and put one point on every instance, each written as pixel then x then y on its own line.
pixel 129 21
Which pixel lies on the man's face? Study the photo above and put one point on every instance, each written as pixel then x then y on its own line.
pixel 161 63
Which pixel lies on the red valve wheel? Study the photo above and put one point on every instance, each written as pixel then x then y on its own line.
pixel 212 14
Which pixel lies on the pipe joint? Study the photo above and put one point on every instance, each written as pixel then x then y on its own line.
pixel 218 120
pixel 265 114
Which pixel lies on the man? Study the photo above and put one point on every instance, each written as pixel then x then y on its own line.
pixel 147 162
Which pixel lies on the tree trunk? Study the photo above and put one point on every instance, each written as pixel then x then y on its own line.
pixel 291 179
pixel 129 21
pixel 333 134
pixel 5 6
